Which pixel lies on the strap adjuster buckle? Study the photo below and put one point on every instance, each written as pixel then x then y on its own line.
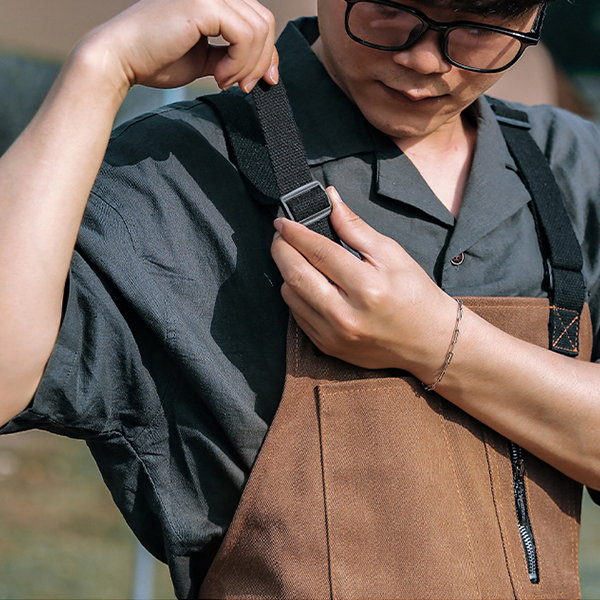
pixel 313 218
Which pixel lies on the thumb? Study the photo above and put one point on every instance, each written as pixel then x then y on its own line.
pixel 219 64
pixel 350 227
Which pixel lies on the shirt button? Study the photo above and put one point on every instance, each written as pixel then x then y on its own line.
pixel 458 260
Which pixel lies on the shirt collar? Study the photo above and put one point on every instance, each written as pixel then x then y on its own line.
pixel 399 180
pixel 493 171
pixel 331 126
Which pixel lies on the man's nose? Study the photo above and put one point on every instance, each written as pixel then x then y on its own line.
pixel 425 56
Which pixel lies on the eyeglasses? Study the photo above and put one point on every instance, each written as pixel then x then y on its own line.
pixel 387 25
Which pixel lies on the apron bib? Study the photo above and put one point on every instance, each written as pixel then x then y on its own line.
pixel 368 486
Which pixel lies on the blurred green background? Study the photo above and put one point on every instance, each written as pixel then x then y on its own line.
pixel 61 536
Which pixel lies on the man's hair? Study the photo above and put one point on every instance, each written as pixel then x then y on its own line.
pixel 503 8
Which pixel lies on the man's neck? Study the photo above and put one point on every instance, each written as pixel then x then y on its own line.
pixel 443 158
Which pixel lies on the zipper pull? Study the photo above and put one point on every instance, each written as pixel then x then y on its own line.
pixel 523 522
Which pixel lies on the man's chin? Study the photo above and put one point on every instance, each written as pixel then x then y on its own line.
pixel 409 121
pixel 406 126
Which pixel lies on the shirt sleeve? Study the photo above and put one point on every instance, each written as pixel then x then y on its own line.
pixel 145 368
pixel 99 383
pixel 96 378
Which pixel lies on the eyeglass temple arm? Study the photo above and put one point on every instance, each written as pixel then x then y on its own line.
pixel 539 20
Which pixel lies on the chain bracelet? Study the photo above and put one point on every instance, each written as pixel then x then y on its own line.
pixel 450 353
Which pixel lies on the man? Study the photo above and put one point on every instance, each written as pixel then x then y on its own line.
pixel 170 357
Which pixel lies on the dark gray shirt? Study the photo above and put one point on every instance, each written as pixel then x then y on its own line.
pixel 170 358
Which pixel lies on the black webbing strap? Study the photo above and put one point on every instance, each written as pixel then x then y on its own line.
pixel 302 198
pixel 246 144
pixel 564 259
pixel 271 156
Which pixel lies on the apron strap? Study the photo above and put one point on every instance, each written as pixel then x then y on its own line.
pixel 564 261
pixel 246 145
pixel 267 148
pixel 271 157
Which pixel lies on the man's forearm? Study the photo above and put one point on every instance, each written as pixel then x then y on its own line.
pixel 546 402
pixel 45 180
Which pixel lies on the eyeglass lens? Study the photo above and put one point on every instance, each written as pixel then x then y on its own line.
pixel 394 27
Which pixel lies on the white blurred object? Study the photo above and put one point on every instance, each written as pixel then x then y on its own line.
pixel 144 574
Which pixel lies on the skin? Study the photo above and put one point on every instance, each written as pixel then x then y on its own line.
pixel 543 401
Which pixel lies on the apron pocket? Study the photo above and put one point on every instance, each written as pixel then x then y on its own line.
pixel 408 498
pixel 553 506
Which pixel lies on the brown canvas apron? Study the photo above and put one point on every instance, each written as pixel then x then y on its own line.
pixel 367 486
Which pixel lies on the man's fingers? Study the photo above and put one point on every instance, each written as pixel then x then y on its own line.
pixel 163 43
pixel 298 274
pixel 250 30
pixel 309 319
pixel 269 56
pixel 272 74
pixel 329 258
pixel 353 230
pixel 315 320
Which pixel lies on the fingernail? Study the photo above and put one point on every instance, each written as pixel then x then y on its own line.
pixel 334 195
pixel 247 87
pixel 278 224
pixel 273 74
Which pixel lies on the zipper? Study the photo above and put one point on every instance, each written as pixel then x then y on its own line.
pixel 518 469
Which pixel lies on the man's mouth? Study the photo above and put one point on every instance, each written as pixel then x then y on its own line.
pixel 414 94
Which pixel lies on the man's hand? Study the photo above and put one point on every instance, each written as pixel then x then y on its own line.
pixel 381 311
pixel 384 311
pixel 165 43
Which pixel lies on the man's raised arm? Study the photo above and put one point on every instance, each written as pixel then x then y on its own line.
pixel 47 174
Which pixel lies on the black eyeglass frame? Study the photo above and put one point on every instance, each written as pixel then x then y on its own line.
pixel 527 39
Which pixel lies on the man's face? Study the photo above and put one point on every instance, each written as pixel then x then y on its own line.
pixel 409 93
